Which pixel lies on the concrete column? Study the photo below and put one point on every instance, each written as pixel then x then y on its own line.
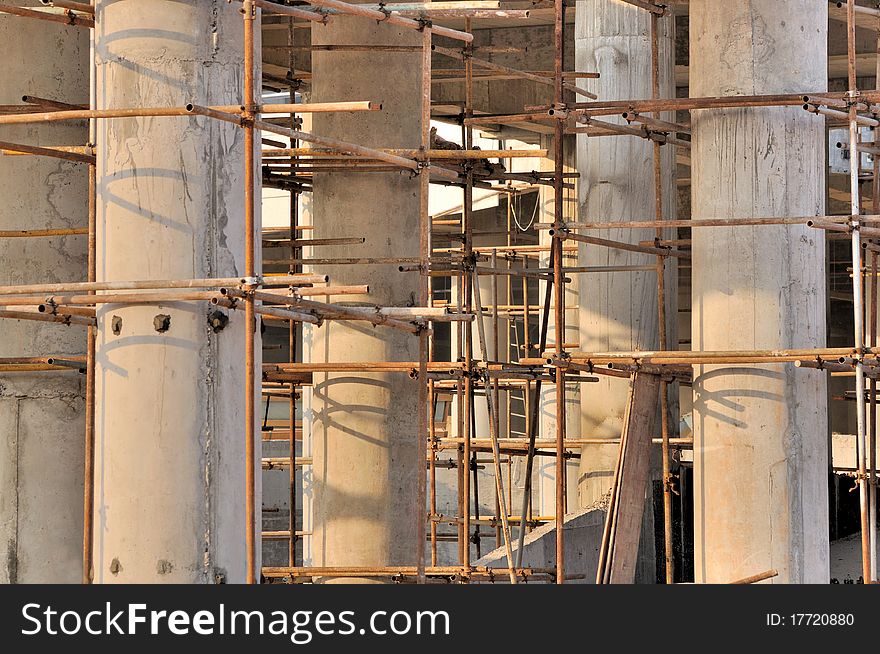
pixel 363 425
pixel 42 418
pixel 170 502
pixel 618 311
pixel 760 452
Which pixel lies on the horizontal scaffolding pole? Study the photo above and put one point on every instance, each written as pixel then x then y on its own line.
pixel 382 16
pixel 66 18
pixel 708 357
pixel 69 154
pixel 353 148
pixel 498 574
pixel 705 222
pixel 213 282
pixel 42 317
pixel 418 155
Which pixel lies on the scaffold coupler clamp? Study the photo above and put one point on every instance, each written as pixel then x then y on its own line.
pixel 251 282
pixel 852 97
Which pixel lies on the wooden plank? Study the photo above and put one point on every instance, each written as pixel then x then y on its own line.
pixel 625 513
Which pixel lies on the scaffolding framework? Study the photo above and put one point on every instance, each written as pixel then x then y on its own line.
pixel 299 296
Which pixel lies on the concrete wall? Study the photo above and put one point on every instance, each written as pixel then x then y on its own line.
pixel 169 503
pixel 42 420
pixel 364 426
pixel 583 540
pixel 760 452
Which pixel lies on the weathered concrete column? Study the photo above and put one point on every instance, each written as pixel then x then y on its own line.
pixel 364 425
pixel 760 451
pixel 42 418
pixel 618 310
pixel 170 475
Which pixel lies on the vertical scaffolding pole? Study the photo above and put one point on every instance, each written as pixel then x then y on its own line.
pixel 89 476
pixel 872 443
pixel 872 436
pixel 424 300
pixel 558 219
pixel 432 472
pixel 466 289
pixel 250 320
pixel 292 325
pixel 661 314
pixel 858 276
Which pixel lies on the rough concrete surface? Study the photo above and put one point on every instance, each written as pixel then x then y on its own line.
pixel 169 495
pixel 364 425
pixel 760 455
pixel 42 422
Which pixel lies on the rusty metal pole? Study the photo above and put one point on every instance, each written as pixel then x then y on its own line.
pixel 858 276
pixel 432 472
pixel 872 435
pixel 467 215
pixel 558 219
pixel 424 300
pixel 292 325
pixel 250 320
pixel 661 314
pixel 89 477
